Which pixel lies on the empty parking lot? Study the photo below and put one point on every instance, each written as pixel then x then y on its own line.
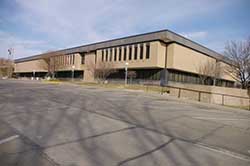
pixel 45 124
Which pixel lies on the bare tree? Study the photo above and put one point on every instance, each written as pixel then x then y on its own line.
pixel 6 67
pixel 239 53
pixel 131 74
pixel 210 69
pixel 51 63
pixel 45 64
pixel 104 70
pixel 100 70
pixel 248 90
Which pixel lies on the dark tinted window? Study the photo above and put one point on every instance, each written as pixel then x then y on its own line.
pixel 111 54
pixel 73 59
pixel 125 54
pixel 115 54
pixel 120 54
pixel 130 53
pixel 141 51
pixel 83 58
pixel 102 55
pixel 106 58
pixel 136 48
pixel 147 51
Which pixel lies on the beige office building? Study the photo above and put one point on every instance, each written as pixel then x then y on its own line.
pixel 157 57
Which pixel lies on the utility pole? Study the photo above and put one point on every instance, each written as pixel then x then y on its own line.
pixel 72 76
pixel 10 61
pixel 34 74
pixel 126 73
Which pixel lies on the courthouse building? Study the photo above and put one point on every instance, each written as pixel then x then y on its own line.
pixel 162 55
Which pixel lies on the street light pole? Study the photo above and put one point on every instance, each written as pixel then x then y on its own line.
pixel 34 74
pixel 15 69
pixel 72 76
pixel 126 73
pixel 11 58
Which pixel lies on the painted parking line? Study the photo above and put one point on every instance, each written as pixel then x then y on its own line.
pixel 226 119
pixel 8 139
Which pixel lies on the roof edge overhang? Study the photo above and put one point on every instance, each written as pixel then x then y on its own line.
pixel 166 36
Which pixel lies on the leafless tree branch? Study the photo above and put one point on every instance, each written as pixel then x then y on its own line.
pixel 239 53
pixel 51 63
pixel 100 70
pixel 6 67
pixel 209 70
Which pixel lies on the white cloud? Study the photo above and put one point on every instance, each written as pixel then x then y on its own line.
pixel 196 35
pixel 71 23
pixel 22 48
pixel 79 20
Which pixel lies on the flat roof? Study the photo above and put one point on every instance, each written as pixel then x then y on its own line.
pixel 166 36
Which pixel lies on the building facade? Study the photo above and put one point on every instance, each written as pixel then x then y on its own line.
pixel 158 56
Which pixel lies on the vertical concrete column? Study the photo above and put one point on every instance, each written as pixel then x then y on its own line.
pixel 144 51
pixel 99 56
pixel 164 77
pixel 88 75
pixel 122 53
pixel 113 54
pixel 127 57
pixel 133 54
pixel 138 52
pixel 78 60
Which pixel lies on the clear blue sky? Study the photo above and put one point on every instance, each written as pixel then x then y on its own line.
pixel 35 26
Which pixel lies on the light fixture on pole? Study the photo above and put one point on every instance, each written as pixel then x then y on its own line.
pixel 73 69
pixel 126 73
pixel 11 53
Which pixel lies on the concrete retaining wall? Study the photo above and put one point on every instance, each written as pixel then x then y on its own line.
pixel 217 95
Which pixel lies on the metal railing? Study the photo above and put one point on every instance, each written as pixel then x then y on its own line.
pixel 166 89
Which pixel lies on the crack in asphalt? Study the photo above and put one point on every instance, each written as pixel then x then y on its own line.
pixel 93 136
pixel 210 133
pixel 194 142
pixel 34 146
pixel 135 125
pixel 146 153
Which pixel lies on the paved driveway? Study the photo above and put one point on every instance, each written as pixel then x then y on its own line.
pixel 43 124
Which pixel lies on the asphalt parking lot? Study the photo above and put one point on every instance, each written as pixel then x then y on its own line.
pixel 71 125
